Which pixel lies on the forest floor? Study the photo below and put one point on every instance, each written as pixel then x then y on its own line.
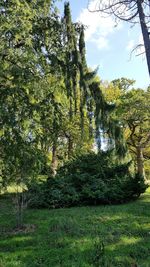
pixel 112 236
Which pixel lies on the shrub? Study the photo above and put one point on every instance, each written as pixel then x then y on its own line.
pixel 88 180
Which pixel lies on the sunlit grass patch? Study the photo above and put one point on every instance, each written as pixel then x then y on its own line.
pixel 103 236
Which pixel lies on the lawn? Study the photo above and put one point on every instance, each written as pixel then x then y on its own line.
pixel 111 236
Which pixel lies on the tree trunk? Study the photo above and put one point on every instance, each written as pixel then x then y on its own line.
pixel 70 147
pixel 19 205
pixel 140 164
pixel 145 32
pixel 54 160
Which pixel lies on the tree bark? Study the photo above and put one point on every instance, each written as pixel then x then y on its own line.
pixel 20 210
pixel 145 32
pixel 140 164
pixel 70 147
pixel 54 160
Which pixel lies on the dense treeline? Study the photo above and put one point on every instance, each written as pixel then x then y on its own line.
pixel 50 100
pixel 52 108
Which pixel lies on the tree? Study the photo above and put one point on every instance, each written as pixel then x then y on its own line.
pixel 134 112
pixel 132 11
pixel 50 103
pixel 24 36
pixel 78 82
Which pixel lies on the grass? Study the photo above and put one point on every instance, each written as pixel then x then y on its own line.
pixel 112 236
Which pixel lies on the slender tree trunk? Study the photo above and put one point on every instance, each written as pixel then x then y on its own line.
pixel 145 32
pixel 19 206
pixel 54 159
pixel 140 164
pixel 20 210
pixel 70 147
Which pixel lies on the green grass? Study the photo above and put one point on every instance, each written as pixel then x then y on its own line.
pixel 111 236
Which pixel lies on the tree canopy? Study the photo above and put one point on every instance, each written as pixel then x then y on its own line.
pixel 53 108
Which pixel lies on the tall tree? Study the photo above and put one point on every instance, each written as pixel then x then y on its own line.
pixel 77 78
pixel 25 40
pixel 134 113
pixel 71 61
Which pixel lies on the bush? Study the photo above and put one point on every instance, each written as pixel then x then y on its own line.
pixel 90 179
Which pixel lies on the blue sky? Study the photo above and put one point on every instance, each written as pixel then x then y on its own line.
pixel 110 47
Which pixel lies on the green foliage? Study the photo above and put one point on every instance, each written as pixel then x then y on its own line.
pixel 123 84
pixel 133 112
pixel 89 179
pixel 49 101
pixel 51 109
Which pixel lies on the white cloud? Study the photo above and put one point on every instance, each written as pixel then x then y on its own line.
pixel 99 28
pixel 101 42
pixel 130 45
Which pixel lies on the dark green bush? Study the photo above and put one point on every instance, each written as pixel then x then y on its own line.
pixel 90 179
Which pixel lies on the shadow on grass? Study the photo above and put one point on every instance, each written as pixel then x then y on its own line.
pixel 75 237
pixel 65 251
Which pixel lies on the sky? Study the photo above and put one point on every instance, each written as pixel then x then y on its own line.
pixel 109 46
